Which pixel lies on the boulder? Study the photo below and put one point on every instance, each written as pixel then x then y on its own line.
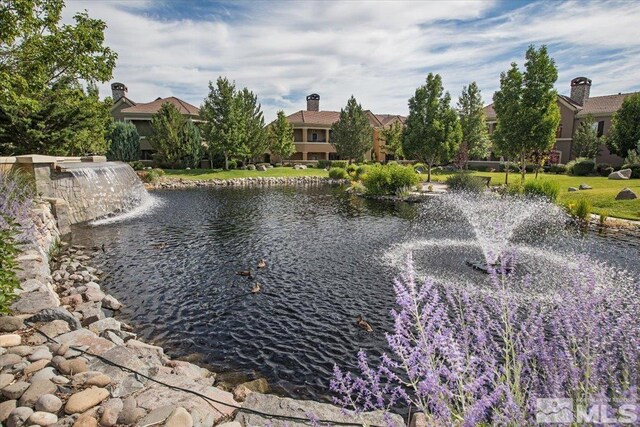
pixel 243 390
pixel 35 390
pixel 10 323
pixel 621 174
pixel 585 187
pixel 262 168
pixel 285 406
pixel 85 400
pixel 572 189
pixel 626 194
pixel 34 302
pixel 57 313
pixel 299 167
pixel 102 325
pixel 111 303
pixel 124 382
pixel 55 328
pixel 179 418
pixel 84 337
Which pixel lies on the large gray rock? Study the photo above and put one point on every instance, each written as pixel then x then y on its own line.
pixel 33 302
pixel 621 174
pixel 10 323
pixel 300 408
pixel 124 382
pixel 585 187
pixel 37 389
pixel 84 337
pixel 57 313
pixel 626 194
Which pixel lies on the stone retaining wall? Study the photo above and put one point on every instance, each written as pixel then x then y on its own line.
pixel 170 183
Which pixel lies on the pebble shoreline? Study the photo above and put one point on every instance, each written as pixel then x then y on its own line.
pixel 47 383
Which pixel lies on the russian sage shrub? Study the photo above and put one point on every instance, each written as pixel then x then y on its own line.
pixel 482 359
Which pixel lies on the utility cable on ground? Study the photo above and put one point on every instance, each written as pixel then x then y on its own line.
pixel 207 398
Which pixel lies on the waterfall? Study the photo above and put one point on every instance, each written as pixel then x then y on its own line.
pixel 101 191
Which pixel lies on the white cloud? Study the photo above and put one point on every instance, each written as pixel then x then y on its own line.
pixel 378 51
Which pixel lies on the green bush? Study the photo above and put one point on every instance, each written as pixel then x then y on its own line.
pixel 543 188
pixel 581 209
pixel 514 188
pixel 339 164
pixel 635 169
pixel 351 169
pixel 152 175
pixel 420 168
pixel 581 167
pixel 558 169
pixel 124 142
pixel 8 266
pixel 602 168
pixel 338 173
pixel 361 170
pixel 137 165
pixel 389 179
pixel 233 164
pixel 323 164
pixel 464 181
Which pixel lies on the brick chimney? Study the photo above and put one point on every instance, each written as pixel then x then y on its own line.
pixel 313 102
pixel 580 88
pixel 118 90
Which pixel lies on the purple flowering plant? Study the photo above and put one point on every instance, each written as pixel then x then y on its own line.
pixel 466 358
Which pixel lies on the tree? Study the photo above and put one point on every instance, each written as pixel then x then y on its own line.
pixel 124 142
pixel 392 136
pixel 352 135
pixel 475 137
pixel 585 141
pixel 253 136
pixel 433 131
pixel 624 134
pixel 281 137
pixel 526 108
pixel 43 105
pixel 175 137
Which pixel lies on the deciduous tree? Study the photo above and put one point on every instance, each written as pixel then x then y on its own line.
pixel 475 137
pixel 281 137
pixel 433 131
pixel 253 135
pixel 392 135
pixel 585 141
pixel 175 137
pixel 352 135
pixel 625 127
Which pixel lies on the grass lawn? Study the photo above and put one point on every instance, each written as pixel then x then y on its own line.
pixel 237 173
pixel 602 196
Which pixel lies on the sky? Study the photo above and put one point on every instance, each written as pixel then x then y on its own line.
pixel 378 51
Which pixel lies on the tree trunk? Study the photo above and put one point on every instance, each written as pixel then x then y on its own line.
pixel 226 161
pixel 429 172
pixel 523 165
pixel 506 175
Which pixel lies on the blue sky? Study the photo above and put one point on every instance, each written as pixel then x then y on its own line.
pixel 379 51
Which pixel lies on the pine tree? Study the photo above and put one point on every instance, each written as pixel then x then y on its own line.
pixel 585 141
pixel 433 131
pixel 475 137
pixel 352 135
pixel 124 142
pixel 281 137
pixel 175 138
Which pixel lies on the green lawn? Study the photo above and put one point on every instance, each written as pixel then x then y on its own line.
pixel 602 196
pixel 221 174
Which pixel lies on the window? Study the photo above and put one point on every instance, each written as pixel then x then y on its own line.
pixel 559 131
pixel 600 129
pixel 314 137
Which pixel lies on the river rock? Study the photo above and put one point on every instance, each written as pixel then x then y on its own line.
pixel 15 390
pixel 84 337
pixel 130 412
pixel 39 354
pixel 36 366
pixel 86 421
pixel 86 399
pixel 46 373
pixel 72 300
pixel 6 408
pixel 91 378
pixel 9 359
pixel 57 313
pixel 102 325
pixel 111 303
pixel 32 285
pixel 585 187
pixel 42 419
pixel 150 354
pixel 285 406
pixel 157 416
pixel 34 302
pixel 179 418
pixel 124 382
pixel 110 411
pixel 19 416
pixel 626 194
pixel 241 391
pixel 10 340
pixel 55 328
pixel 621 174
pixel 94 295
pixel 48 403
pixel 73 366
pixel 37 389
pixel 5 380
pixel 21 350
pixel 10 323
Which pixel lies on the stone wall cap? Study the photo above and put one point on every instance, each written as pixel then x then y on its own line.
pixel 7 160
pixel 36 158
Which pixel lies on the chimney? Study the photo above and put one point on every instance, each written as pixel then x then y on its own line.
pixel 580 88
pixel 313 102
pixel 118 90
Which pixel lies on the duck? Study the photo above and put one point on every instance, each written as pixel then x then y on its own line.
pixel 363 324
pixel 262 263
pixel 161 245
pixel 246 273
pixel 256 288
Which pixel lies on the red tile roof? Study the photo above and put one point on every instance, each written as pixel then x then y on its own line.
pixel 154 106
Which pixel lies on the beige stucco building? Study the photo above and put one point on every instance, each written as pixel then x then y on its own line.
pixel 573 110
pixel 312 132
pixel 138 113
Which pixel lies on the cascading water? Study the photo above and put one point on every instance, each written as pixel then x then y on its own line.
pixel 105 192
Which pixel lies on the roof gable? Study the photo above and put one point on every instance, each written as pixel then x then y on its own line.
pixel 154 106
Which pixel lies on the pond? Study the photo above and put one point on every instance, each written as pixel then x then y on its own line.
pixel 330 257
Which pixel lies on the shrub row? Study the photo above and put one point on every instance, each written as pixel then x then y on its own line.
pixel 389 179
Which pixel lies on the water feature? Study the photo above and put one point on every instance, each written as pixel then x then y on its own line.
pixel 101 191
pixel 330 256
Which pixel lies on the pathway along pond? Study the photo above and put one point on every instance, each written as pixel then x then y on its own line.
pixel 330 257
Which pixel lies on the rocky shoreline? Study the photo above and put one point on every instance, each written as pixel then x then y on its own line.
pixel 67 362
pixel 181 183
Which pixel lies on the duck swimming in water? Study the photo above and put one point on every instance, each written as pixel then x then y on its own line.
pixel 262 263
pixel 256 288
pixel 246 273
pixel 363 324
